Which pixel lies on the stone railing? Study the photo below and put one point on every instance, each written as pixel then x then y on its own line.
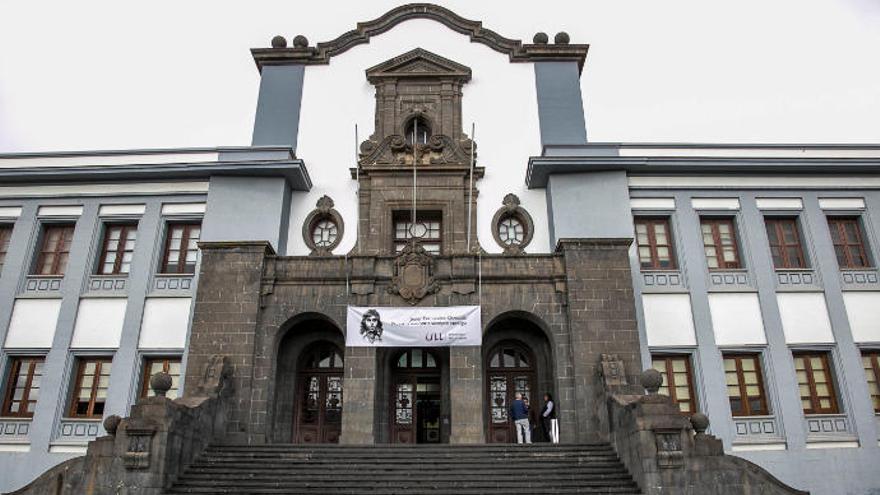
pixel 668 454
pixel 144 453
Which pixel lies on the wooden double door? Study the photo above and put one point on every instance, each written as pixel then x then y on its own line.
pixel 318 416
pixel 416 398
pixel 510 371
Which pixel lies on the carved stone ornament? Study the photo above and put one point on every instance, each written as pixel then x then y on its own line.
pixel 140 440
pixel 512 226
pixel 413 274
pixel 215 380
pixel 612 370
pixel 323 228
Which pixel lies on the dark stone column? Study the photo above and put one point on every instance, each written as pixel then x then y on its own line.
pixel 360 396
pixel 466 387
pixel 225 316
pixel 602 319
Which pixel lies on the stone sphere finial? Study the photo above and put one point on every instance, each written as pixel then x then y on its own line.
pixel 279 42
pixel 700 422
pixel 161 383
pixel 540 38
pixel 561 38
pixel 111 423
pixel 652 380
pixel 300 41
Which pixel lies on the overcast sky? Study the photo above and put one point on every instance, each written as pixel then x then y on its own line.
pixel 109 75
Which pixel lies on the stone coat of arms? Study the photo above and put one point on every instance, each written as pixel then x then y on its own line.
pixel 413 274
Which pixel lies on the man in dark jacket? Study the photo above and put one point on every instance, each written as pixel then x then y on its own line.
pixel 519 412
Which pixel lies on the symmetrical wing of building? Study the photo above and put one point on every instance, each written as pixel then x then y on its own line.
pixel 745 274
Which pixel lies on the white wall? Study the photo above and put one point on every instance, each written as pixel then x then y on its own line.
pixel 736 318
pixel 863 310
pixel 804 317
pixel 500 99
pixel 165 323
pixel 99 323
pixel 669 320
pixel 33 323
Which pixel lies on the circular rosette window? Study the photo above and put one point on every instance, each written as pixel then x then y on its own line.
pixel 512 226
pixel 322 230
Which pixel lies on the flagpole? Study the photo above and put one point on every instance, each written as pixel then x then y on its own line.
pixel 415 139
pixel 471 190
pixel 357 191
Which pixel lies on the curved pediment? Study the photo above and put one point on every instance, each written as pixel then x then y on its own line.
pixel 302 53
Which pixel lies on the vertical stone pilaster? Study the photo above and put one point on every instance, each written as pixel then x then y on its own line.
pixel 466 393
pixel 358 417
pixel 602 319
pixel 225 317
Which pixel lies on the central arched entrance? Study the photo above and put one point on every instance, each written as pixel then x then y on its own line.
pixel 416 397
pixel 318 416
pixel 510 371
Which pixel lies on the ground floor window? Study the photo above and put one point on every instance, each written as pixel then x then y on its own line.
pixel 677 380
pixel 23 386
pixel 815 383
pixel 745 385
pixel 90 387
pixel 153 365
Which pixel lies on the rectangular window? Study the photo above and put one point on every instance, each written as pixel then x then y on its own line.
pixel 90 388
pixel 117 249
pixel 745 385
pixel 719 243
pixel 427 229
pixel 677 381
pixel 54 250
pixel 871 363
pixel 23 386
pixel 170 365
pixel 5 235
pixel 815 383
pixel 181 247
pixel 785 243
pixel 655 243
pixel 849 242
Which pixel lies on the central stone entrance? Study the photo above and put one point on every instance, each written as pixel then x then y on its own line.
pixel 418 400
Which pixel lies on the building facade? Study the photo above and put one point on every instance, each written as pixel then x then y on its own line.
pixel 745 274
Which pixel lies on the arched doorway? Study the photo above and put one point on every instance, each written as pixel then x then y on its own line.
pixel 510 371
pixel 517 357
pixel 416 397
pixel 319 398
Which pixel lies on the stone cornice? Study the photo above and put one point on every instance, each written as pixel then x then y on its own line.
pixel 324 51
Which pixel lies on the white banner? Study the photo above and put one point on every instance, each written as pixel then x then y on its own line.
pixel 413 327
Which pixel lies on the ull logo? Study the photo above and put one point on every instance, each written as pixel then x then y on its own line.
pixel 434 337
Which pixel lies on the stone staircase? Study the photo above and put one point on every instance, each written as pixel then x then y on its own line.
pixel 385 469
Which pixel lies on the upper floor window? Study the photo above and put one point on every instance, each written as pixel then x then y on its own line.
pixel 181 247
pixel 23 386
pixel 418 131
pixel 745 385
pixel 849 242
pixel 719 243
pixel 117 249
pixel 54 249
pixel 785 243
pixel 90 388
pixel 427 230
pixel 815 383
pixel 170 365
pixel 871 363
pixel 678 382
pixel 5 236
pixel 655 243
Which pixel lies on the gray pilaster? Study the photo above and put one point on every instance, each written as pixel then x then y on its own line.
pixel 713 399
pixel 15 265
pixel 124 383
pixel 248 209
pixel 277 118
pixel 852 388
pixel 56 370
pixel 560 105
pixel 779 365
pixel 592 205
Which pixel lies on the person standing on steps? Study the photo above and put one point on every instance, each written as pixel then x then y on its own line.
pixel 519 412
pixel 548 419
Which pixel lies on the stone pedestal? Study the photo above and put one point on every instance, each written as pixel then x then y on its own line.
pixel 466 394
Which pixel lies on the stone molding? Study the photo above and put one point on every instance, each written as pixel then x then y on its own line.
pixel 321 53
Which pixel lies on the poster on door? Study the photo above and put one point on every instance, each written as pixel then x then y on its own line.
pixel 413 327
